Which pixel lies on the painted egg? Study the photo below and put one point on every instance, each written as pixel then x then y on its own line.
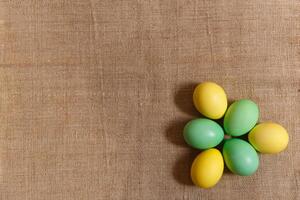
pixel 210 100
pixel 241 117
pixel 203 133
pixel 269 137
pixel 207 168
pixel 240 157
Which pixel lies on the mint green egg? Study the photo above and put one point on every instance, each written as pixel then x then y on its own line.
pixel 240 157
pixel 241 117
pixel 203 133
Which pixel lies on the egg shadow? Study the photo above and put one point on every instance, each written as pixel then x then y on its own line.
pixel 174 132
pixel 182 168
pixel 184 98
pixel 221 120
pixel 244 137
pixel 220 148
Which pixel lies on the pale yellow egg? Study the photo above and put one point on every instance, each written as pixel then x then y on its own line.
pixel 269 137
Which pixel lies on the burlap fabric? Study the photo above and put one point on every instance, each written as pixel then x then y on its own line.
pixel 94 94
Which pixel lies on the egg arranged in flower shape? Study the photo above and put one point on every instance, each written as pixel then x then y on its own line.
pixel 269 137
pixel 240 157
pixel 240 118
pixel 203 133
pixel 210 100
pixel 207 168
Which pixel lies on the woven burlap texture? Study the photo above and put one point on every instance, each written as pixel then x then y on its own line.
pixel 94 95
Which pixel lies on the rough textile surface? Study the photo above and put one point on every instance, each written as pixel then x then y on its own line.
pixel 94 94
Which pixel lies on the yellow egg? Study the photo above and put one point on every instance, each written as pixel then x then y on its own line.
pixel 210 100
pixel 268 137
pixel 207 168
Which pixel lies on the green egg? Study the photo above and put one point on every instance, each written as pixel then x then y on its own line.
pixel 240 157
pixel 203 133
pixel 241 117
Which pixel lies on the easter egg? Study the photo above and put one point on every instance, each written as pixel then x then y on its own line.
pixel 269 137
pixel 207 168
pixel 203 133
pixel 210 100
pixel 241 117
pixel 240 157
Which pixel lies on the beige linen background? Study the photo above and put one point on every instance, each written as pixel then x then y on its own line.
pixel 94 94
